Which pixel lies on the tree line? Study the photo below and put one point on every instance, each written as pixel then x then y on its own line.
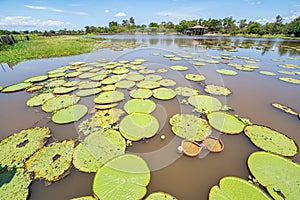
pixel 228 25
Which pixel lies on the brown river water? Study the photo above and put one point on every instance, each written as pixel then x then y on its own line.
pixel 184 177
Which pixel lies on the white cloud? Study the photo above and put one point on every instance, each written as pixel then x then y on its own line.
pixel 175 15
pixel 253 2
pixel 106 11
pixel 37 7
pixel 120 14
pixel 79 13
pixel 28 21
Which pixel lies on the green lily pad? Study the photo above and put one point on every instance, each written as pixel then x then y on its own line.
pixel 105 106
pixel 267 73
pixel 64 90
pixel 195 77
pixel 20 146
pixel 89 85
pixel 235 188
pixel 59 102
pixel 146 71
pixel 148 84
pixel 14 184
pixel 1 87
pixel 140 93
pixel 286 79
pixel 140 106
pixel 115 177
pixel 88 92
pixel 51 162
pixel 110 80
pixel 199 64
pixel 169 55
pixel 271 140
pixel 39 100
pixel 121 70
pixel 55 83
pixel 73 74
pixel 97 149
pixel 285 108
pixel 226 122
pixel 227 72
pixel 186 91
pixel 109 97
pixel 35 79
pixel 34 88
pixel 135 77
pixel 71 84
pixel 58 70
pixel 167 82
pixel 179 68
pixel 15 87
pixel 204 103
pixel 70 114
pixel 56 75
pixel 252 66
pixel 125 84
pixel 190 127
pixel 160 196
pixel 164 93
pixel 153 77
pixel 278 174
pixel 85 68
pixel 98 77
pixel 86 75
pixel 217 90
pixel 84 198
pixel 104 118
pixel 176 58
pixel 136 126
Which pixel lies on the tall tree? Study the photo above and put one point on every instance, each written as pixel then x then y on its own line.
pixel 294 27
pixel 276 25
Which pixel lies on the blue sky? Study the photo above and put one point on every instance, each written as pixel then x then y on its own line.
pixel 60 14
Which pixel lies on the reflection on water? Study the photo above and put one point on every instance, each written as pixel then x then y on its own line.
pixel 181 176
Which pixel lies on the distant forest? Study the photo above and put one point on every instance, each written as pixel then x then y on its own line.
pixel 228 25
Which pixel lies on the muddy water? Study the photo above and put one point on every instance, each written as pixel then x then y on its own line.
pixel 181 176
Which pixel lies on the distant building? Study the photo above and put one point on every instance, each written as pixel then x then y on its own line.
pixel 196 30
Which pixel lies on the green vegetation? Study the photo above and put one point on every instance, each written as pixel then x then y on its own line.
pixel 43 47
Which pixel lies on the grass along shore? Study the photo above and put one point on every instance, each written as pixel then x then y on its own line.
pixel 45 47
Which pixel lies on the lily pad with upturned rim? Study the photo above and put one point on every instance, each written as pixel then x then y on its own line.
pixel 190 127
pixel 217 90
pixel 204 103
pixel 153 77
pixel 191 148
pixel 124 84
pixel 160 196
pixel 186 91
pixel 59 102
pixel 179 68
pixel 140 93
pixel 279 175
pixel 109 97
pixel 164 93
pixel 88 92
pixel 20 146
pixel 39 100
pixel 271 140
pixel 235 188
pixel 213 144
pixel 70 114
pixel 35 79
pixel 105 106
pixel 167 82
pixel 15 87
pixel 126 171
pixel 225 122
pixel 34 88
pixel 140 106
pixel 88 85
pixel 227 72
pixel 286 79
pixel 136 126
pixel 63 90
pixel 195 77
pixel 148 84
pixel 51 162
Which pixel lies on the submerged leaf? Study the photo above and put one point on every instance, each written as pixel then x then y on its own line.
pixel 20 146
pixel 137 126
pixel 271 140
pixel 51 162
pixel 124 177
pixel 235 188
pixel 278 174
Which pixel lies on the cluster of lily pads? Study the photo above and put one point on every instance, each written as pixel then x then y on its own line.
pixel 31 154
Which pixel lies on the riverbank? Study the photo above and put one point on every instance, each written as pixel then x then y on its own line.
pixel 46 47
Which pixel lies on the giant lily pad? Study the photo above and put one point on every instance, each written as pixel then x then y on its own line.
pixel 59 102
pixel 113 180
pixel 148 84
pixel 16 87
pixel 105 106
pixel 227 72
pixel 38 100
pixel 136 126
pixel 84 198
pixel 160 196
pixel 278 174
pixel 124 84
pixel 89 85
pixel 235 188
pixel 267 73
pixel 97 149
pixel 217 90
pixel 284 108
pixel 63 90
pixel 104 118
pixel 167 82
pixel 286 79
pixel 153 77
pixel 14 184
pixel 164 93
pixel 271 140
pixel 109 97
pixel 213 144
pixel 55 83
pixel 140 106
pixel 204 103
pixel 186 91
pixel 88 92
pixel 135 77
pixel 20 146
pixel 191 148
pixel 70 114
pixel 86 75
pixel 225 122
pixel 110 80
pixel 179 68
pixel 36 79
pixel 190 127
pixel 195 77
pixel 140 93
pixel 51 162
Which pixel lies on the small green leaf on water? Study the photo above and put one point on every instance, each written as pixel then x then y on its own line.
pixel 195 77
